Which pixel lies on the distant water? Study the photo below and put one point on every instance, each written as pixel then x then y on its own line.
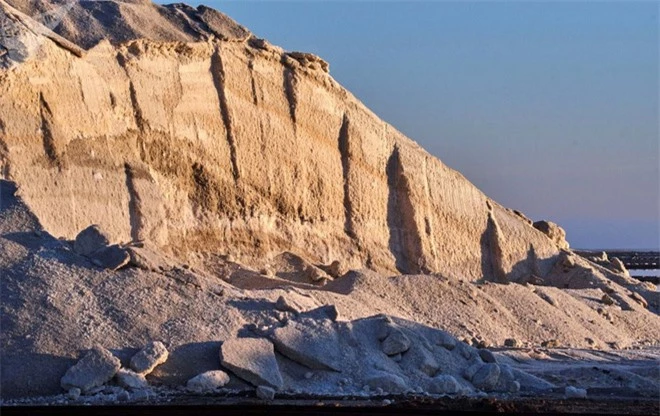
pixel 653 272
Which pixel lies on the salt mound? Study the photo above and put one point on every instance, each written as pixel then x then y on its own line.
pixel 222 144
pixel 244 195
pixel 86 23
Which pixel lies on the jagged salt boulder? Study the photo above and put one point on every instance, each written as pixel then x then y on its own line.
pixel 96 368
pixel 90 239
pixel 265 393
pixel 111 257
pixel 575 393
pixel 323 312
pixel 396 342
pixel 387 382
pixel 487 356
pixel 283 305
pixel 253 360
pixel 444 384
pixel 208 381
pixel 553 232
pixel 618 266
pixel 486 377
pixel 506 382
pixel 131 380
pixel 314 344
pixel 151 356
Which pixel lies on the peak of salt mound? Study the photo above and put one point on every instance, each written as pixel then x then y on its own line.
pixel 86 23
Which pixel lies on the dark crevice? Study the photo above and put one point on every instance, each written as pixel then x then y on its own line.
pixel 533 261
pixel 428 222
pixel 264 154
pixel 47 131
pixel 405 240
pixel 492 256
pixel 4 157
pixel 218 74
pixel 427 227
pixel 344 151
pixel 289 83
pixel 137 111
pixel 134 203
pixel 253 83
pixel 205 190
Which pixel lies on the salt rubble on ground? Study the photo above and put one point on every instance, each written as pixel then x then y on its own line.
pixel 378 355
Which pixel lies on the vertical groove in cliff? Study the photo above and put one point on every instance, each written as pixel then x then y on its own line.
pixel 533 261
pixel 140 123
pixel 4 152
pixel 496 255
pixel 253 83
pixel 4 158
pixel 344 151
pixel 405 239
pixel 137 111
pixel 48 138
pixel 289 84
pixel 134 203
pixel 428 219
pixel 218 75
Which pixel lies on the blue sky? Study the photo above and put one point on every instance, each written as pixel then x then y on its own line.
pixel 548 107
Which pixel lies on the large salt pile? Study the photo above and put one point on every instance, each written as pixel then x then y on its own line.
pixel 186 206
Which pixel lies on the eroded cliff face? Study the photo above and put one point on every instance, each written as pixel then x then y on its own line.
pixel 235 147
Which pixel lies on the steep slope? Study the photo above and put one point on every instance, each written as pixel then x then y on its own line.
pixel 233 146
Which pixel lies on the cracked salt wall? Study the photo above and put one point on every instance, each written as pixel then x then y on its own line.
pixel 405 241
pixel 234 149
pixel 4 160
pixel 289 84
pixel 495 255
pixel 346 166
pixel 218 73
pixel 48 139
pixel 253 83
pixel 137 111
pixel 134 204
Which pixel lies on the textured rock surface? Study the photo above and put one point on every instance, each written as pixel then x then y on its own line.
pixel 112 257
pixel 208 381
pixel 210 135
pixel 444 384
pixel 486 377
pixel 313 344
pixel 575 393
pixel 131 380
pixel 90 240
pixel 265 393
pixel 96 368
pixel 396 342
pixel 253 360
pixel 149 357
pixel 553 231
pixel 388 383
